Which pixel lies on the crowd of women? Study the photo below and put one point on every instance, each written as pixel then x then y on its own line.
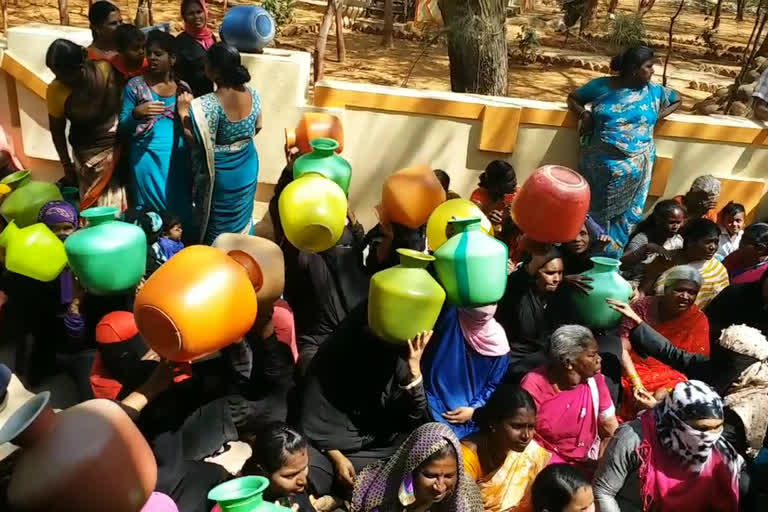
pixel 511 406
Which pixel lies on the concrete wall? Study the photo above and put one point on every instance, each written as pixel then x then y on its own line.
pixel 390 128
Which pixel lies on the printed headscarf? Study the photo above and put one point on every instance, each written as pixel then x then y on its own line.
pixel 381 485
pixel 746 350
pixel 203 36
pixel 691 400
pixel 58 212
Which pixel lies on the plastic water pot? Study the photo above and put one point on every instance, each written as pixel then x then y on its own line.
pixel 108 256
pixel 28 196
pixel 472 266
pixel 324 161
pixel 244 494
pixel 404 300
pixel 453 209
pixel 198 302
pixel 248 28
pixel 552 204
pixel 33 251
pixel 315 125
pixel 410 195
pixel 606 283
pixel 268 261
pixel 313 210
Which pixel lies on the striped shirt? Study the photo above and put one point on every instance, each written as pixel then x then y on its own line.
pixel 714 279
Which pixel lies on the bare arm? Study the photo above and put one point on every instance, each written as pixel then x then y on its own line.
pixel 671 108
pixel 183 104
pixel 58 127
pixel 576 106
pixel 259 124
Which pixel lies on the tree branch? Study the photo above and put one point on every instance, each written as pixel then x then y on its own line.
pixel 669 42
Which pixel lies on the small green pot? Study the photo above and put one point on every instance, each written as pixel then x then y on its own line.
pixel 324 160
pixel 244 494
pixel 28 196
pixel 606 283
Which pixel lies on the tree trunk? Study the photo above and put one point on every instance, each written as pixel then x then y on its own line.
pixel 741 6
pixel 387 38
pixel 63 12
pixel 613 5
pixel 341 47
pixel 4 7
pixel 588 17
pixel 322 40
pixel 477 45
pixel 718 11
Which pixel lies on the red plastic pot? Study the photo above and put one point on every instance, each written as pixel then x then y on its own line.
pixel 552 204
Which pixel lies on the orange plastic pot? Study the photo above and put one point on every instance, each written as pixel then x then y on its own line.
pixel 410 195
pixel 552 204
pixel 315 125
pixel 198 302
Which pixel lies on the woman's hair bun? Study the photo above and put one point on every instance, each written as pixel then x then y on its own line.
pixel 617 63
pixel 240 75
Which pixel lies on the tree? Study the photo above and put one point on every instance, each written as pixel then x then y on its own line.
pixel 333 10
pixel 588 16
pixel 718 10
pixel 387 39
pixel 477 45
pixel 612 6
pixel 64 12
pixel 741 6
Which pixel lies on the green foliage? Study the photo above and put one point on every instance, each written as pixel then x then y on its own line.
pixel 528 44
pixel 626 30
pixel 281 11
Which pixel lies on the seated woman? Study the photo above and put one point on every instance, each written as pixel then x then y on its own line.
pixel 672 458
pixel 561 488
pixel 701 198
pixel 749 262
pixel 281 455
pixel 464 364
pixel 532 307
pixel 502 457
pixel 362 396
pixel 700 238
pixel 737 370
pixel 426 473
pixel 654 236
pixel 677 318
pixel 591 241
pixel 731 221
pixel 576 415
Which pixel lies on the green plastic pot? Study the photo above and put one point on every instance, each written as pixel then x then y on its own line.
pixel 324 160
pixel 244 494
pixel 33 251
pixel 28 196
pixel 404 300
pixel 108 256
pixel 472 266
pixel 606 283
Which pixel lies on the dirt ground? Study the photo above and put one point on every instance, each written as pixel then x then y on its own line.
pixel 367 62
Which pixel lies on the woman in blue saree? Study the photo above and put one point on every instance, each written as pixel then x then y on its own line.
pixel 221 125
pixel 617 147
pixel 466 361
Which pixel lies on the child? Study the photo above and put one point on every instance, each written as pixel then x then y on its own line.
pixel 130 60
pixel 731 221
pixel 495 191
pixel 170 241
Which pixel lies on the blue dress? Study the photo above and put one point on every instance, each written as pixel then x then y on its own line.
pixel 159 161
pixel 227 199
pixel 457 376
pixel 617 157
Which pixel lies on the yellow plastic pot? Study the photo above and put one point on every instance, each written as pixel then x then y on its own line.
pixel 33 251
pixel 313 210
pixel 453 209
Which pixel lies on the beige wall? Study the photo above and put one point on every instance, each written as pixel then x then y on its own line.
pixel 390 128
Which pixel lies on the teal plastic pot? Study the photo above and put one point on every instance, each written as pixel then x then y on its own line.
pixel 28 196
pixel 324 160
pixel 108 256
pixel 72 196
pixel 404 300
pixel 244 494
pixel 606 283
pixel 472 266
